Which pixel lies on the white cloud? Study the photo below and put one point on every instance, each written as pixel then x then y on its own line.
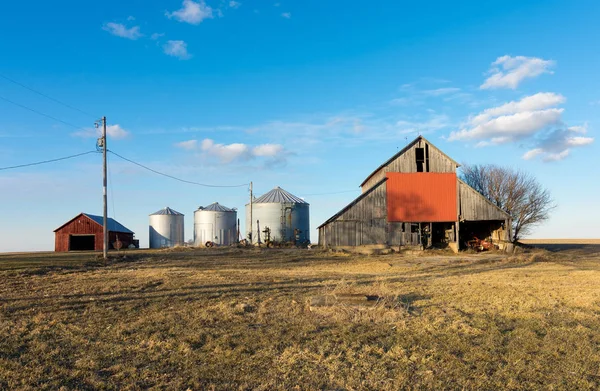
pixel 509 72
pixel 286 15
pixel 557 144
pixel 116 132
pixel 510 127
pixel 156 36
pixel 535 102
pixel 113 131
pixel 192 12
pixel 227 153
pixel 120 30
pixel 578 141
pixel 234 4
pixel 177 49
pixel 533 153
pixel 553 157
pixel 534 118
pixel 267 150
pixel 579 129
pixel 189 145
pixel 513 120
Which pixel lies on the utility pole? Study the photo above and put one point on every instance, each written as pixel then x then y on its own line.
pixel 251 222
pixel 104 196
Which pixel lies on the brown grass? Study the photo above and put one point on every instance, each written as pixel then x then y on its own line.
pixel 241 319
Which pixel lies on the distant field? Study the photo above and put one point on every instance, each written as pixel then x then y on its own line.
pixel 558 245
pixel 561 241
pixel 242 319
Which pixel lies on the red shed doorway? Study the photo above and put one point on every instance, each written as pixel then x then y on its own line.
pixel 82 242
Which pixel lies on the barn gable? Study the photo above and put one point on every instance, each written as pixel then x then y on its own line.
pixel 418 156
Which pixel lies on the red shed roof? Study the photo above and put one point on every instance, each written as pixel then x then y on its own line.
pixel 112 224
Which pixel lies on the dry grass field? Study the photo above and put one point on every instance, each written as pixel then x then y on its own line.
pixel 243 319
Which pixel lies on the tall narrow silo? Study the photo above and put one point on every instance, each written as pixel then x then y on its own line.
pixel 286 216
pixel 215 223
pixel 166 228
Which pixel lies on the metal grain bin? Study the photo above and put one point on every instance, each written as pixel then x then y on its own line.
pixel 286 216
pixel 215 223
pixel 166 228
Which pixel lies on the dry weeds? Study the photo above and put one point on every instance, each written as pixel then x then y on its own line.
pixel 241 319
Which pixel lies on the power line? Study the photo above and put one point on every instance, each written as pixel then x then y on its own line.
pixel 172 177
pixel 40 113
pixel 47 161
pixel 46 96
pixel 335 192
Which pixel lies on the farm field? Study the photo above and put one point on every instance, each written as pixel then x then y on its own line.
pixel 268 319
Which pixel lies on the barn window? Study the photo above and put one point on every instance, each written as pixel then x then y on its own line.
pixel 422 158
pixel 420 153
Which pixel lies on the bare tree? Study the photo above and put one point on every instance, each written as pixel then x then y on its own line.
pixel 516 192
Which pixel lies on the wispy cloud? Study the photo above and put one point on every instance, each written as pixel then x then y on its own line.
pixel 177 49
pixel 440 91
pixel 286 15
pixel 435 122
pixel 234 4
pixel 156 36
pixel 120 30
pixel 509 72
pixel 192 12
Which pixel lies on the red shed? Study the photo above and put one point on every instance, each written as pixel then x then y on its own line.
pixel 84 233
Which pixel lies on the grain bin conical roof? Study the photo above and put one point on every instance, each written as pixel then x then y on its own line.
pixel 216 207
pixel 167 211
pixel 278 196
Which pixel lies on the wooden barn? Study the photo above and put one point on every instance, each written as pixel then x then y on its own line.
pixel 416 199
pixel 84 233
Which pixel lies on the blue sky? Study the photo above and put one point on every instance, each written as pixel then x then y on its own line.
pixel 310 96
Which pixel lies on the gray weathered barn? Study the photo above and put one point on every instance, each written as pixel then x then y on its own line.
pixel 415 198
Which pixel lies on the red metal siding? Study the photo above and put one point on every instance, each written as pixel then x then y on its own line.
pixel 421 197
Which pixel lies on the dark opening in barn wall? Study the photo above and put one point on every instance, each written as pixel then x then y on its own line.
pixel 82 242
pixel 490 230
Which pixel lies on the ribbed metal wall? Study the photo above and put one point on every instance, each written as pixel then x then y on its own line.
pixel 166 230
pixel 215 224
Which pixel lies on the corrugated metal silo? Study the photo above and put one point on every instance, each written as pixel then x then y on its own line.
pixel 286 215
pixel 166 228
pixel 215 223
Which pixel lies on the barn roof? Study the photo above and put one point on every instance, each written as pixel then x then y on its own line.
pixel 278 196
pixel 403 150
pixel 167 211
pixel 216 207
pixel 112 224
